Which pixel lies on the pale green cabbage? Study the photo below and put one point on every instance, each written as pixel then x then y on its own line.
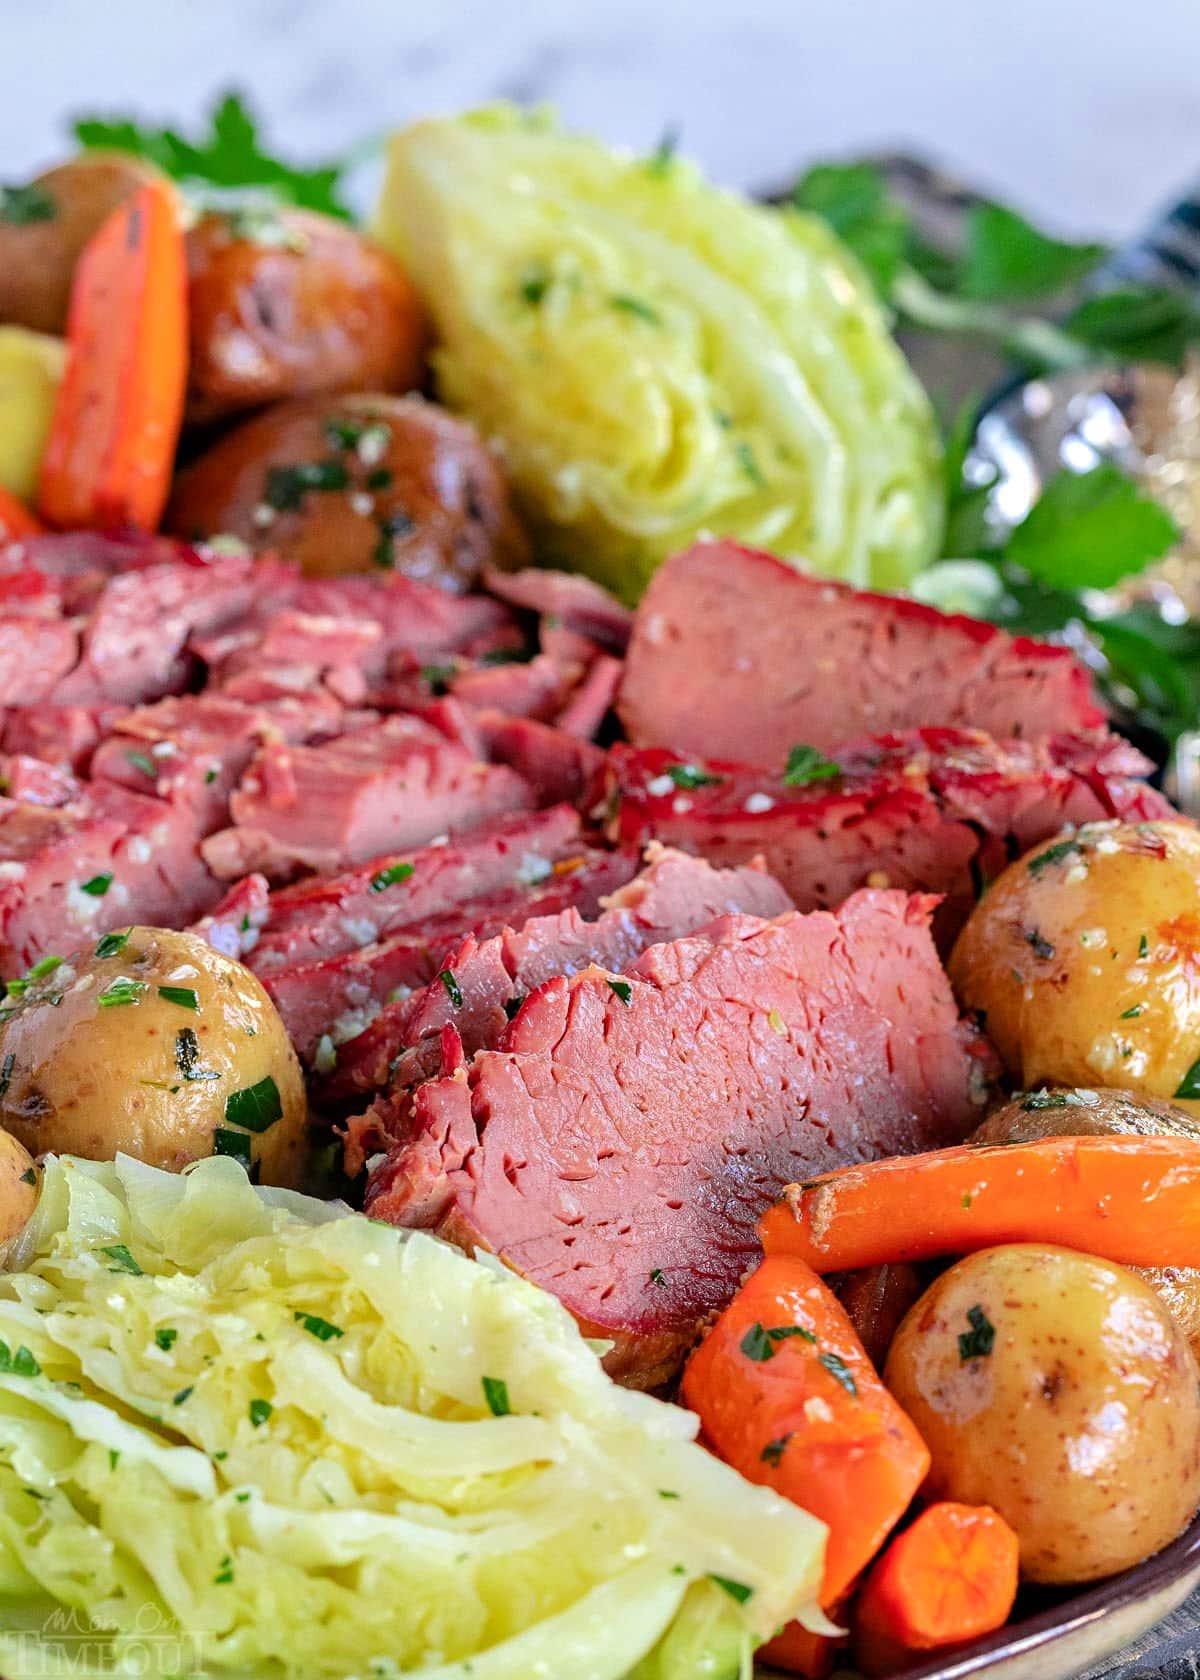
pixel 654 358
pixel 245 1432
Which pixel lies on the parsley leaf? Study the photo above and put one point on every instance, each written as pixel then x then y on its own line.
pixel 122 1259
pixel 184 996
pixel 1089 530
pixel 391 876
pixel 737 1590
pixel 622 988
pixel 318 1327
pixel 838 1369
pixel 98 885
pixel 1007 257
pixel 255 1107
pixel 20 206
pixel 260 1411
pixel 854 200
pixel 978 1341
pixel 112 943
pixel 229 154
pixel 687 776
pixel 806 765
pixel 452 988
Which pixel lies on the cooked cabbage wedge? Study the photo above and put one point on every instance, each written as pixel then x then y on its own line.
pixel 655 358
pixel 246 1432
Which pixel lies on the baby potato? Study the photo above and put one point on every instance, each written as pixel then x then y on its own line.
pixel 59 212
pixel 286 303
pixel 346 484
pixel 153 1044
pixel 18 1189
pixel 1102 1113
pixel 1084 959
pixel 1058 1389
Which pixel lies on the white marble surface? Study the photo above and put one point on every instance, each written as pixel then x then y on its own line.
pixel 1086 111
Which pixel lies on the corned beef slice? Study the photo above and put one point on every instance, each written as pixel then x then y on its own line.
pixel 341 995
pixel 738 656
pixel 232 925
pixel 394 784
pixel 672 895
pixel 147 846
pixel 567 599
pixel 940 810
pixel 324 916
pixel 619 1146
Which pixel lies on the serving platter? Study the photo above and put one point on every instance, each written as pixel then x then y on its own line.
pixel 1060 1637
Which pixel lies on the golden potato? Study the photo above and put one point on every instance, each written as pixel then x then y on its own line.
pixel 1058 1389
pixel 18 1187
pixel 345 484
pixel 1102 1113
pixel 57 214
pixel 153 1044
pixel 287 303
pixel 1084 959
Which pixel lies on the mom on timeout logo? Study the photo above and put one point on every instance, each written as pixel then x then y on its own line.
pixel 66 1643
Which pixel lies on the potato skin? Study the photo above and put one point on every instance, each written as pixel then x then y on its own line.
pixel 92 1080
pixel 1081 1426
pixel 18 1189
pixel 290 304
pixel 1084 959
pixel 422 494
pixel 37 259
pixel 1102 1113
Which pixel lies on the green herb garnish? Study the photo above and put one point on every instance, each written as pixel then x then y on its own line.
pixel 391 876
pixel 978 1341
pixel 806 765
pixel 260 1411
pixel 184 996
pixel 453 989
pixel 255 1107
pixel 773 1452
pixel 687 776
pixel 112 943
pixel 622 989
pixel 234 1144
pixel 287 486
pixel 122 1259
pixel 637 307
pixel 841 1371
pixel 120 991
pixel 737 1590
pixel 98 885
pixel 166 1337
pixel 495 1392
pixel 21 206
pixel 318 1327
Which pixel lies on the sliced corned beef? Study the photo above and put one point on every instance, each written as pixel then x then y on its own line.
pixel 110 858
pixel 35 655
pixel 412 616
pixel 32 781
pixel 393 785
pixel 65 735
pixel 232 925
pixel 324 916
pixel 941 810
pixel 341 995
pixel 136 633
pixel 592 699
pixel 560 768
pixel 672 895
pixel 567 599
pixel 620 1144
pixel 737 655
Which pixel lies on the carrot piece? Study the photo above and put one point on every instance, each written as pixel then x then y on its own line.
pixel 16 520
pixel 1133 1200
pixel 116 422
pixel 949 1578
pixel 786 1394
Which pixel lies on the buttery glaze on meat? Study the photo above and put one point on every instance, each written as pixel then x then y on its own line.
pixel 346 484
pixel 292 304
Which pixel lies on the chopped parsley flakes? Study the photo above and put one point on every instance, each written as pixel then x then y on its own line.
pixel 391 876
pixel 977 1342
pixel 495 1392
pixel 256 1108
pixel 806 765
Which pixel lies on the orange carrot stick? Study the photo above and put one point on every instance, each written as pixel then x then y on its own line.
pixel 949 1578
pixel 787 1395
pixel 1134 1200
pixel 797 1651
pixel 16 520
pixel 116 422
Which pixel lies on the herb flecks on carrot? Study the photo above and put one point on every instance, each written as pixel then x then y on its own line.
pixel 16 520
pixel 112 442
pixel 950 1578
pixel 787 1395
pixel 1133 1200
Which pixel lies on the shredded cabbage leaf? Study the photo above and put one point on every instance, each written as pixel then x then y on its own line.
pixel 246 1432
pixel 654 358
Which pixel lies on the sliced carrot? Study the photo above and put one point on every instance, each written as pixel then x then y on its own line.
pixel 786 1394
pixel 116 422
pixel 16 520
pixel 949 1578
pixel 1134 1200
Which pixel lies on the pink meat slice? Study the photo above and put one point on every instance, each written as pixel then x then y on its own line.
pixel 395 785
pixel 341 995
pixel 939 810
pixel 567 599
pixel 670 896
pixel 326 915
pixel 140 852
pixel 737 655
pixel 620 1144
